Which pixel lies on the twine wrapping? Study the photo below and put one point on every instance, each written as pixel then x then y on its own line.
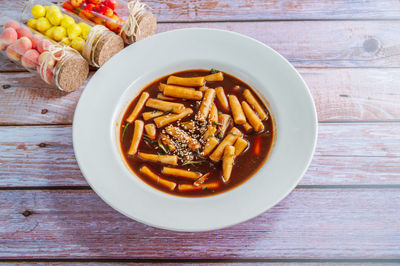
pixel 87 50
pixel 131 25
pixel 51 54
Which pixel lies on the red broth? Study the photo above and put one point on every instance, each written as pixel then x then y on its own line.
pixel 245 165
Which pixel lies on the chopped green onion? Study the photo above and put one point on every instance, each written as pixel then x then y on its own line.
pixel 213 71
pixel 192 162
pixel 220 135
pixel 220 113
pixel 217 123
pixel 168 112
pixel 148 140
pixel 155 111
pixel 198 153
pixel 162 147
pixel 123 132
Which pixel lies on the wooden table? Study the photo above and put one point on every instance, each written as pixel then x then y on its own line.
pixel 345 209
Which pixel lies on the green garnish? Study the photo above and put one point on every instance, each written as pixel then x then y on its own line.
pixel 217 123
pixel 168 112
pixel 155 111
pixel 233 133
pixel 220 113
pixel 220 135
pixel 198 153
pixel 192 162
pixel 123 132
pixel 148 140
pixel 213 71
pixel 164 148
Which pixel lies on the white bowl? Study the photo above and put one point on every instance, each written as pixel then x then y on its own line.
pixel 111 89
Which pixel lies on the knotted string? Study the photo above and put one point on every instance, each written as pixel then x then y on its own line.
pixel 88 46
pixel 131 25
pixel 54 52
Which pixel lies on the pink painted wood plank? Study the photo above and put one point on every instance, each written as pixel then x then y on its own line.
pixel 221 10
pixel 340 95
pixel 26 99
pixel 353 170
pixel 343 94
pixel 311 44
pixel 308 224
pixel 359 139
pixel 346 154
pixel 321 44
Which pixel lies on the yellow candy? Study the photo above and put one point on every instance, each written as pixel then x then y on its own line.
pixel 73 31
pixel 38 11
pixel 49 32
pixel 85 28
pixel 54 17
pixel 52 9
pixel 31 23
pixel 59 33
pixel 42 24
pixel 66 21
pixel 66 41
pixel 78 44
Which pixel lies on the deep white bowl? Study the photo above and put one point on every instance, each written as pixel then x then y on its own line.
pixel 111 89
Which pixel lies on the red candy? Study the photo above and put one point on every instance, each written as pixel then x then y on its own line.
pixel 35 41
pixel 43 45
pixel 7 37
pixel 68 6
pixel 23 45
pixel 11 24
pixel 30 58
pixel 106 11
pixel 111 4
pixel 76 3
pixel 98 11
pixel 23 32
pixel 95 2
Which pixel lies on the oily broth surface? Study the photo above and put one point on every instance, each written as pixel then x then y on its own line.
pixel 246 164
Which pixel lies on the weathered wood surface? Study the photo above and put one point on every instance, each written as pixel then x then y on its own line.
pixel 346 207
pixel 313 44
pixel 322 43
pixel 346 154
pixel 340 94
pixel 309 223
pixel 237 10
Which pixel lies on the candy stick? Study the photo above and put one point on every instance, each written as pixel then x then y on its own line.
pixel 58 66
pixel 132 20
pixel 96 43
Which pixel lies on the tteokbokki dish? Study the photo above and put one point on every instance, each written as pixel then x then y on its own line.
pixel 196 133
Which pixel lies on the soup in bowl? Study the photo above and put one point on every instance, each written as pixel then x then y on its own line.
pixel 196 133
